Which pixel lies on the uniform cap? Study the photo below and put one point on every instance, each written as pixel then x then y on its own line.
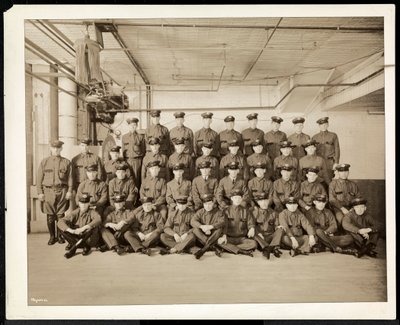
pixel 132 120
pixel 291 200
pixel 146 199
pixel 86 141
pixel 358 201
pixel 261 196
pixel 207 115
pixel 153 163
pixel 179 114
pixel 314 169
pixel 321 198
pixel 276 119
pixel 236 192
pixel 179 141
pixel 286 144
pixel 207 197
pixel 260 164
pixel 323 120
pixel 256 142
pixel 342 167
pixel 310 142
pixel 207 144
pixel 119 198
pixel 84 198
pixel 178 166
pixel 286 167
pixel 155 113
pixel 182 199
pixel 122 166
pixel 153 141
pixel 205 164
pixel 115 149
pixel 91 168
pixel 252 116
pixel 233 165
pixel 229 118
pixel 298 120
pixel 233 143
pixel 56 144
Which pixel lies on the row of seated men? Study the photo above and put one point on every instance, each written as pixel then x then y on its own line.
pixel 55 197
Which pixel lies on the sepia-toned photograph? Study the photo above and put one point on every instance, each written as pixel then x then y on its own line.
pixel 188 159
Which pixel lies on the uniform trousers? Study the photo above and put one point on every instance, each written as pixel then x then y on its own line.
pixel 169 241
pixel 113 238
pixel 207 240
pixel 234 244
pixel 136 167
pixel 55 202
pixel 360 241
pixel 334 241
pixel 304 242
pixel 273 239
pixel 91 238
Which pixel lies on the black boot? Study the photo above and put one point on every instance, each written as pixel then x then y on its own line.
pixel 349 251
pixel 218 251
pixel 200 253
pixel 60 237
pixel 277 253
pixel 164 251
pixel 51 225
pixel 119 250
pixel 267 252
pixel 247 253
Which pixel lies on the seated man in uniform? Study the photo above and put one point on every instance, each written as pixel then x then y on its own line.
pixel 228 135
pixel 178 187
pixel 259 156
pixel 341 192
pixel 259 183
pixel 234 156
pixel 153 155
pixel 179 157
pixel 208 225
pixel 240 227
pixel 110 165
pixel 116 225
pixel 155 187
pixel 206 149
pixel 312 160
pixel 362 227
pixel 146 229
pixel 203 184
pixel 81 227
pixel 299 233
pixel 178 234
pixel 284 187
pixel 228 184
pixel 268 233
pixel 286 158
pixel 96 188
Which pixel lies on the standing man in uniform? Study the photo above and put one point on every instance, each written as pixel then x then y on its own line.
pixel 206 134
pixel 156 130
pixel 153 155
pixel 54 188
pixel 134 149
pixel 234 156
pixel 206 149
pixel 286 158
pixel 284 188
pixel 328 145
pixel 312 160
pixel 180 131
pixel 298 138
pixel 341 192
pixel 229 135
pixel 203 184
pixel 251 134
pixel 208 225
pixel 273 138
pixel 179 157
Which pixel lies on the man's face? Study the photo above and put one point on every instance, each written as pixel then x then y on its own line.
pixel 179 148
pixel 84 148
pixel 132 127
pixel 155 120
pixel 260 172
pixel 119 205
pixel 323 126
pixel 258 149
pixel 236 200
pixel 154 171
pixel 298 127
pixel 181 207
pixel 91 175
pixel 206 122
pixel 206 151
pixel 147 207
pixel 310 150
pixel 114 155
pixel 263 204
pixel 253 123
pixel 292 207
pixel 233 172
pixel 155 148
pixel 178 173
pixel 233 150
pixel 83 207
pixel 179 121
pixel 360 209
pixel 275 126
pixel 311 177
pixel 54 151
pixel 286 151
pixel 205 172
pixel 286 174
pixel 343 174
pixel 121 173
pixel 208 206
pixel 319 205
pixel 230 125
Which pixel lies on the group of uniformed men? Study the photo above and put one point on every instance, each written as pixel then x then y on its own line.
pixel 229 192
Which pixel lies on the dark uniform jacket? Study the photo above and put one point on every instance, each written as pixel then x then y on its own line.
pixel 328 145
pixel 225 187
pixel 295 223
pixel 266 221
pixel 283 190
pixel 54 171
pixel 263 158
pixel 341 192
pixel 312 161
pixel 155 188
pixel 206 135
pixel 227 136
pixel 257 185
pixel 133 145
pixel 161 132
pixel 186 160
pixel 97 190
pixel 272 142
pixel 298 140
pixel 215 217
pixel 179 222
pixel 249 136
pixel 200 186
pixel 110 167
pixel 240 159
pixel 239 221
pixel 124 186
pixel 174 190
pixel 282 160
pixel 182 132
pixel 80 161
pixel 77 219
pixel 308 191
pixel 117 216
pixel 352 222
pixel 146 222
pixel 150 156
pixel 214 165
pixel 324 220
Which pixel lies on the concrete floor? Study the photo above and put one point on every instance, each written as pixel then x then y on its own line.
pixel 109 279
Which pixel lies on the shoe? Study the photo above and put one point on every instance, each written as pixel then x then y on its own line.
pixel 372 253
pixel 61 240
pixel 338 250
pixel 164 251
pixel 119 250
pixel 70 253
pixel 315 249
pixel 199 253
pixel 218 251
pixel 294 252
pixel 146 251
pixel 267 252
pixel 362 251
pixel 68 247
pixel 247 253
pixel 52 241
pixel 86 250
pixel 103 248
pixel 277 253
pixel 129 249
